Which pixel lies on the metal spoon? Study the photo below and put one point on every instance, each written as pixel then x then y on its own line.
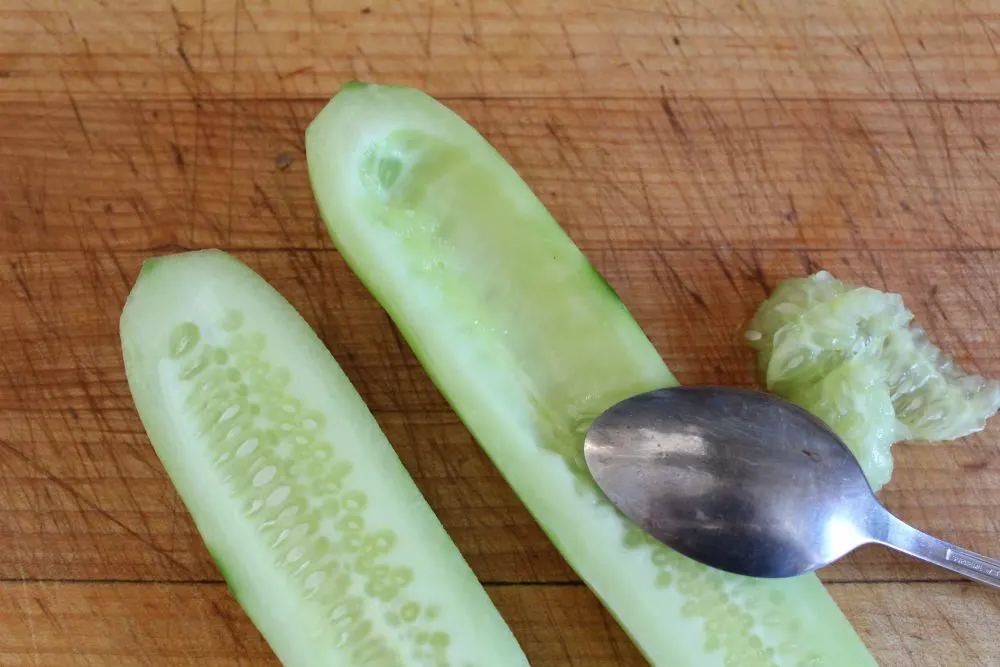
pixel 748 483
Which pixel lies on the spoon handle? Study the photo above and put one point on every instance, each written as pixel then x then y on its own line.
pixel 886 529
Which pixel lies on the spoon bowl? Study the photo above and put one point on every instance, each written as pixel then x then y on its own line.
pixel 749 483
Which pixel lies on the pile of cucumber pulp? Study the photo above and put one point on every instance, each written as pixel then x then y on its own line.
pixel 316 526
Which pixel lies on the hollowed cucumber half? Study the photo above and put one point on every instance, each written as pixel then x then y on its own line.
pixel 529 344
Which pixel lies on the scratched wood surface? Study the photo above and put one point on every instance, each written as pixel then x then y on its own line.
pixel 185 625
pixel 618 174
pixel 699 152
pixel 500 48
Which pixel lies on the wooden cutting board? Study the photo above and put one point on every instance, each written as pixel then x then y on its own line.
pixel 698 151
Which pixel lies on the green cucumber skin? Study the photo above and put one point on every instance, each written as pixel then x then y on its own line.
pixel 529 411
pixel 203 287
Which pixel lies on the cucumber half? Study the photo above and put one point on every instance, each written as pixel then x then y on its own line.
pixel 314 522
pixel 529 344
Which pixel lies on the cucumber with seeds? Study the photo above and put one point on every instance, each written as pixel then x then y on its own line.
pixel 529 344
pixel 314 522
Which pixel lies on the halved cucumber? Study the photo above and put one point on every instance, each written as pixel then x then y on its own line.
pixel 529 343
pixel 317 527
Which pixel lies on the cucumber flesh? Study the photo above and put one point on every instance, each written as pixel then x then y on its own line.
pixel 529 343
pixel 854 400
pixel 314 522
pixel 854 357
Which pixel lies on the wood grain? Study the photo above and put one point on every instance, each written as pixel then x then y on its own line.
pixel 617 174
pixel 76 625
pixel 63 625
pixel 500 48
pixel 85 498
pixel 699 151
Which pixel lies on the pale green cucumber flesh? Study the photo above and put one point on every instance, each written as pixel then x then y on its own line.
pixel 853 356
pixel 529 344
pixel 314 522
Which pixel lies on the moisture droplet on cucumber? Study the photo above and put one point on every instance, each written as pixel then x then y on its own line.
pixel 529 344
pixel 317 527
pixel 853 357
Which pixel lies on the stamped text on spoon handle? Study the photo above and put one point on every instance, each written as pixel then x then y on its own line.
pixel 972 562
